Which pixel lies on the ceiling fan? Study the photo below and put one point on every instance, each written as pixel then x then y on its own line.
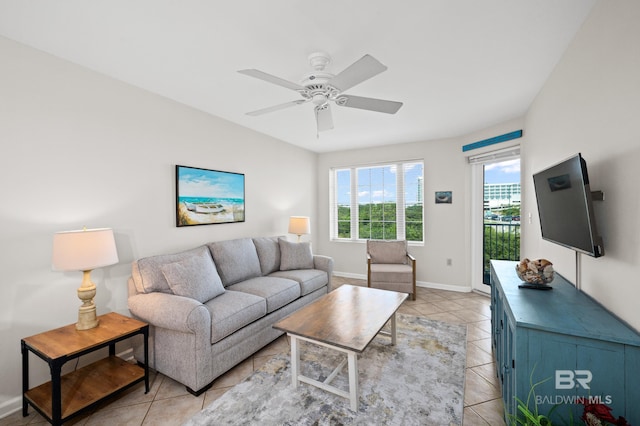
pixel 321 88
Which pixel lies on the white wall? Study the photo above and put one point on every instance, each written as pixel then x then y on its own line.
pixel 447 226
pixel 591 104
pixel 79 149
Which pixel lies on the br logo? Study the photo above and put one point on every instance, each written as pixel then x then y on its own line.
pixel 569 379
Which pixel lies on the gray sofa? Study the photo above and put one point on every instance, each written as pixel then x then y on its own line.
pixel 213 306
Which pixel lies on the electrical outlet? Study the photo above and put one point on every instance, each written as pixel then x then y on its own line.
pixel 449 262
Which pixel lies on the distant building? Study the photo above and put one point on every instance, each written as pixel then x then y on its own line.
pixel 501 194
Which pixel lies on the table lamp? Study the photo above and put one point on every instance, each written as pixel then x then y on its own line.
pixel 299 225
pixel 84 250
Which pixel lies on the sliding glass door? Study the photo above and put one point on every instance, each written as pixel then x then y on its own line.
pixel 495 212
pixel 501 213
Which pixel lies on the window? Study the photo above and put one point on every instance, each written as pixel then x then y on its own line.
pixel 378 202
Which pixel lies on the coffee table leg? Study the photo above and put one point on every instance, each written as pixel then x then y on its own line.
pixel 295 361
pixel 354 388
pixel 393 329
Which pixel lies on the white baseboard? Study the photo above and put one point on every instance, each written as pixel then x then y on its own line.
pixel 127 354
pixel 448 287
pixel 423 284
pixel 11 406
pixel 350 275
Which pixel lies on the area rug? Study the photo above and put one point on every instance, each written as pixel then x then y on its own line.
pixel 420 381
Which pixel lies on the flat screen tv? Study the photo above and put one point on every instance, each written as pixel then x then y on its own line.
pixel 565 206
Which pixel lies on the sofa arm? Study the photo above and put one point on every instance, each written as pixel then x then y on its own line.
pixel 324 263
pixel 171 312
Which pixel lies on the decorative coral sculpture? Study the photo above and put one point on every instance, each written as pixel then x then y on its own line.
pixel 538 271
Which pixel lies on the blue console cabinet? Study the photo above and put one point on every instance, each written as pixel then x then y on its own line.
pixel 565 340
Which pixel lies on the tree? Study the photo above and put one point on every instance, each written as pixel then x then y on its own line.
pixel 501 241
pixel 378 221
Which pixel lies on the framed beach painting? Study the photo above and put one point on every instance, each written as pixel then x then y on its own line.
pixel 444 197
pixel 206 197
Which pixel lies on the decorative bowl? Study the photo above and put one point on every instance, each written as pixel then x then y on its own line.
pixel 539 271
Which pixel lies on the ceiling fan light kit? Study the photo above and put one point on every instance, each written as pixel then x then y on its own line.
pixel 320 88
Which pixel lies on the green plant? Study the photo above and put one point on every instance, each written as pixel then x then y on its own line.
pixel 530 416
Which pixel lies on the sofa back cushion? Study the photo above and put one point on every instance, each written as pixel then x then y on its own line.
pixel 268 253
pixel 147 273
pixel 195 277
pixel 236 260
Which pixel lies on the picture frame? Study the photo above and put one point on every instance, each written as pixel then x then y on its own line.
pixel 444 197
pixel 208 197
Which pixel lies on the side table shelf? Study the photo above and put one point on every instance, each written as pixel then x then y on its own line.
pixel 65 396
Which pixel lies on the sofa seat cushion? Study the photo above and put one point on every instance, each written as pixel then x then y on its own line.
pixel 236 260
pixel 391 273
pixel 309 279
pixel 277 291
pixel 233 310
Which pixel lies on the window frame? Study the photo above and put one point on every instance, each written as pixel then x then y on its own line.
pixel 400 200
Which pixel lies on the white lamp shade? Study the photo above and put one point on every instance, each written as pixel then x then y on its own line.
pixel 299 225
pixel 83 250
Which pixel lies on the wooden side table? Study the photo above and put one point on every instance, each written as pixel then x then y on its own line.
pixel 65 396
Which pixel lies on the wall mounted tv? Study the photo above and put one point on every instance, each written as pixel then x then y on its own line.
pixel 565 206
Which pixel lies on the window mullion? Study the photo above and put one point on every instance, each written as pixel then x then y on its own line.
pixel 354 204
pixel 336 208
pixel 400 202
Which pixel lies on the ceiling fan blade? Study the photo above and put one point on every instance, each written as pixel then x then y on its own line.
pixel 324 118
pixel 371 104
pixel 271 79
pixel 361 70
pixel 277 107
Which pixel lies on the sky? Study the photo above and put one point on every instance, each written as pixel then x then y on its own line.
pixel 503 172
pixel 378 184
pixel 210 184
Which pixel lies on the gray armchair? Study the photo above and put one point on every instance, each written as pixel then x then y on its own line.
pixel 391 267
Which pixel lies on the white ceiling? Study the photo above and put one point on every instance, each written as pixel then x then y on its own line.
pixel 458 65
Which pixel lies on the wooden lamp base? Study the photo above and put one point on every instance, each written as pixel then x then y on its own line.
pixel 87 318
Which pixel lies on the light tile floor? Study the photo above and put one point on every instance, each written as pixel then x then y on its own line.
pixel 168 403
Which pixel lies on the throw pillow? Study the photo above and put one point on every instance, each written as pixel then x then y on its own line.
pixel 147 275
pixel 295 255
pixel 195 277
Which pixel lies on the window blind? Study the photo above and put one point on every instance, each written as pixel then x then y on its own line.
pixel 494 156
